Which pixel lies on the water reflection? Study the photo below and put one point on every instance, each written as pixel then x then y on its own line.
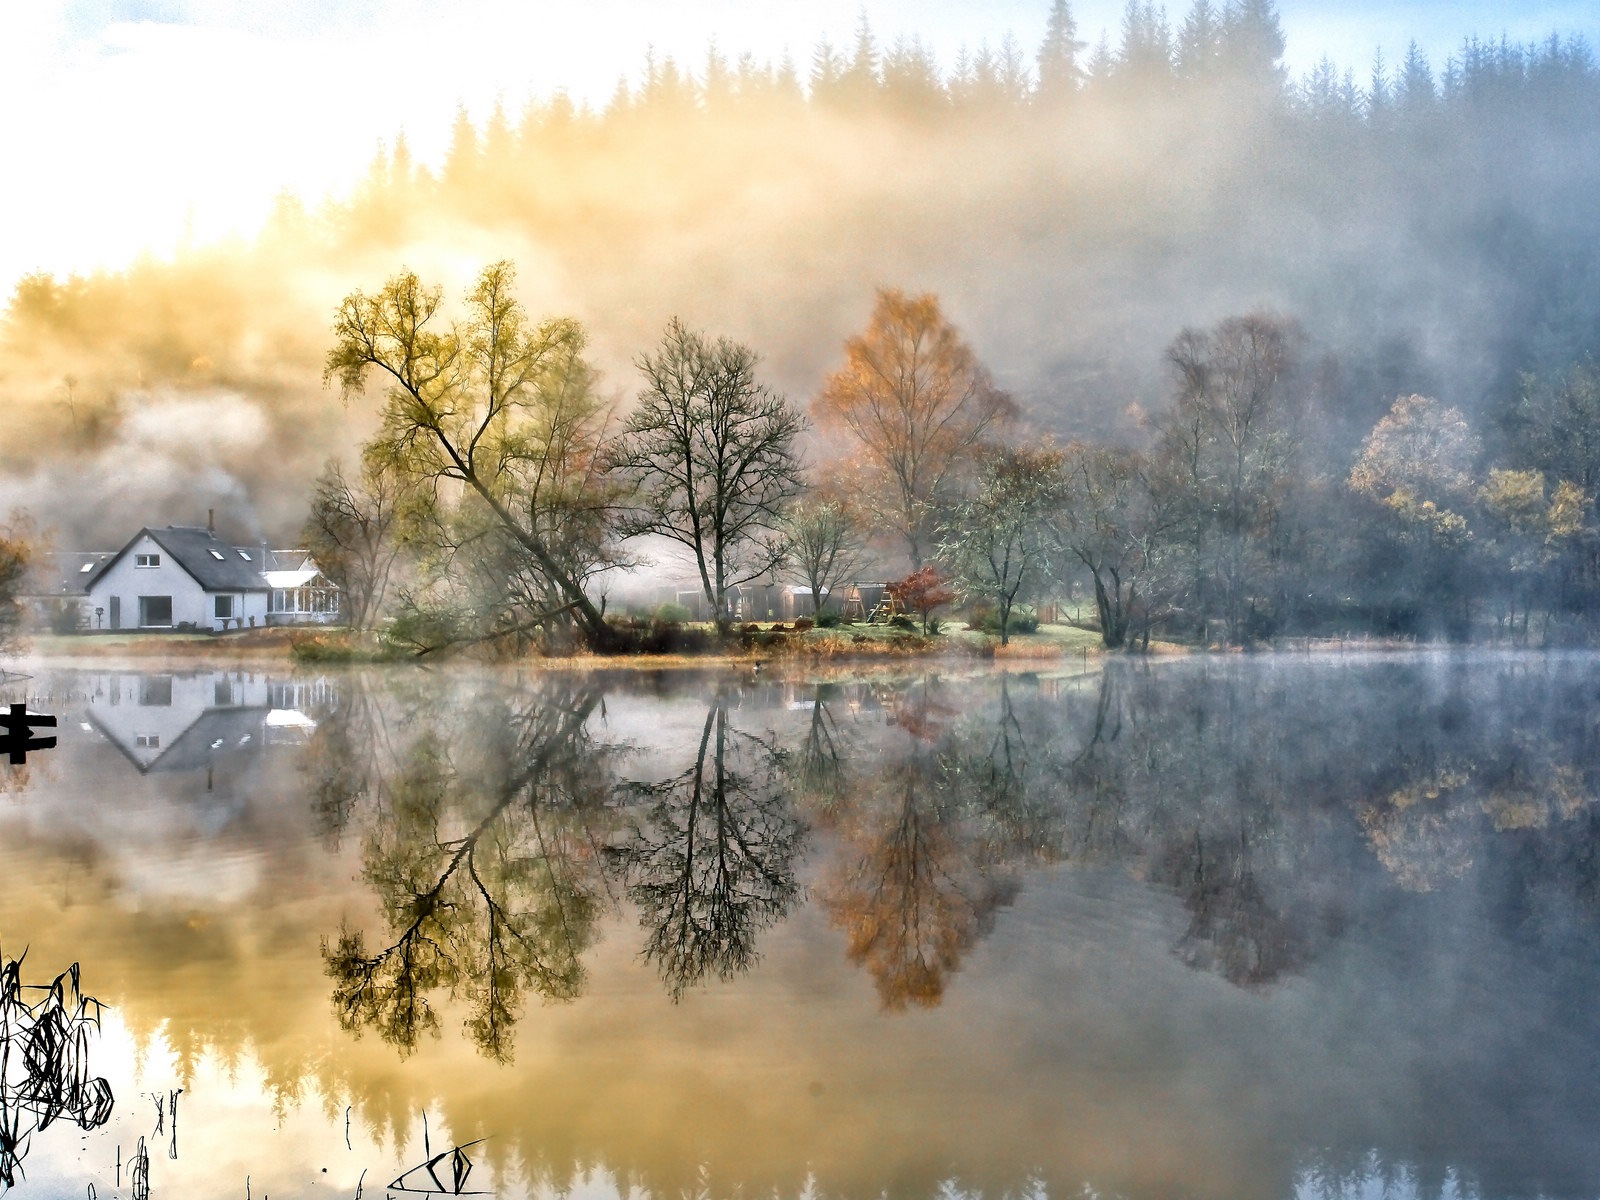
pixel 481 852
pixel 1245 927
pixel 708 855
pixel 189 721
pixel 499 829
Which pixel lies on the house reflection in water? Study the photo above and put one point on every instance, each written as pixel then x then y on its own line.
pixel 184 721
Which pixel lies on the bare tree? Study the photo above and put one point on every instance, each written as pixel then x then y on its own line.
pixel 1108 525
pixel 995 541
pixel 1223 455
pixel 500 410
pixel 351 535
pixel 915 396
pixel 712 455
pixel 824 544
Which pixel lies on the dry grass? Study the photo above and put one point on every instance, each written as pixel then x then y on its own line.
pixel 249 643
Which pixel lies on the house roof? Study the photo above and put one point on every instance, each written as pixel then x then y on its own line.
pixel 291 579
pixel 63 572
pixel 236 728
pixel 214 565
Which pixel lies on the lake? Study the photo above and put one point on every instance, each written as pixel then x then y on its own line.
pixel 1229 926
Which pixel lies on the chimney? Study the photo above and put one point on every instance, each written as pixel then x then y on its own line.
pixel 211 521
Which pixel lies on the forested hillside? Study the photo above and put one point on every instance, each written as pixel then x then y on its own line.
pixel 1427 228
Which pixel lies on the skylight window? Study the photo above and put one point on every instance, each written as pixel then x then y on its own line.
pixel 217 554
pixel 242 554
pixel 85 569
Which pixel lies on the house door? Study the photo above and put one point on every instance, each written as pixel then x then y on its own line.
pixel 116 612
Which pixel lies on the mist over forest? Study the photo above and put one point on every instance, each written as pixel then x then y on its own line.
pixel 1428 228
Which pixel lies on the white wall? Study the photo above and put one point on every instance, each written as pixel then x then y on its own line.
pixel 190 602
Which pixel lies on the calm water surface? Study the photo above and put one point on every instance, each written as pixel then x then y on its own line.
pixel 1259 927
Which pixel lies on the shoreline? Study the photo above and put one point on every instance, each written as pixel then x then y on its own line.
pixel 848 650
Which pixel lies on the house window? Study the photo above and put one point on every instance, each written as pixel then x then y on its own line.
pixel 217 554
pixel 155 610
pixel 222 692
pixel 244 555
pixel 147 741
pixel 224 608
pixel 85 569
pixel 155 691
pixel 147 560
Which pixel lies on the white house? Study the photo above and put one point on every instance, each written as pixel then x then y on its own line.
pixel 181 577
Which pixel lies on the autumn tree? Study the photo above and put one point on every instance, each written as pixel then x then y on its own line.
pixel 916 400
pixel 16 556
pixel 712 458
pixel 995 542
pixel 497 410
pixel 914 888
pixel 1529 531
pixel 1555 429
pixel 351 534
pixel 1418 464
pixel 924 592
pixel 824 544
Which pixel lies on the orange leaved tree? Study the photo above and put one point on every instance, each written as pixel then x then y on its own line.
pixel 916 399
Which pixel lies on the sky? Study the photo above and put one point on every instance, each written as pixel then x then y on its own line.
pixel 138 124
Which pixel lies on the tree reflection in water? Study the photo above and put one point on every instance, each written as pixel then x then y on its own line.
pixel 498 837
pixel 1167 818
pixel 484 863
pixel 708 857
pixel 916 884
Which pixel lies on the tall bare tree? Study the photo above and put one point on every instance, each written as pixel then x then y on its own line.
pixel 1223 455
pixel 712 455
pixel 1108 526
pixel 824 544
pixel 915 397
pixel 351 534
pixel 497 409
pixel 995 541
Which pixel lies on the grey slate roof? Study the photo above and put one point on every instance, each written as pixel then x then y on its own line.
pixel 236 728
pixel 238 570
pixel 61 573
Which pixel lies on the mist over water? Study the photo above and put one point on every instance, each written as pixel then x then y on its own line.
pixel 1228 927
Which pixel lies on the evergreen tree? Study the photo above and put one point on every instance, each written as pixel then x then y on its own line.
pixel 1059 73
pixel 827 72
pixel 1146 58
pixel 1253 42
pixel 463 160
pixel 1414 89
pixel 861 78
pixel 1102 66
pixel 1199 42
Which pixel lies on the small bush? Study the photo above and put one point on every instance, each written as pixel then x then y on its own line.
pixel 342 647
pixel 985 618
pixel 828 620
pixel 671 611
pixel 901 621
